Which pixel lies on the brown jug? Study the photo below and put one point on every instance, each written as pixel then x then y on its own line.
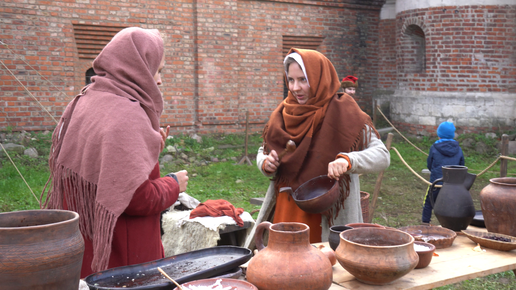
pixel 498 202
pixel 40 249
pixel 289 261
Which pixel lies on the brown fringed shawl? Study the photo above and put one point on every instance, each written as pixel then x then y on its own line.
pixel 325 126
pixel 107 141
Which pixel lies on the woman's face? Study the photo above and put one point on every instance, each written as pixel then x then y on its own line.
pixel 350 91
pixel 298 84
pixel 157 76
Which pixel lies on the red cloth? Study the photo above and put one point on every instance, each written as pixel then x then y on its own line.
pixel 217 208
pixel 137 234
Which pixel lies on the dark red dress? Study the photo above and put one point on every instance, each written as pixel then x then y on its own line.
pixel 137 235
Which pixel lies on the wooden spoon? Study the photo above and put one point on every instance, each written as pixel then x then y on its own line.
pixel 169 278
pixel 290 147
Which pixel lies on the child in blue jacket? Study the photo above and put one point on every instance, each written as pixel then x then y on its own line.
pixel 445 151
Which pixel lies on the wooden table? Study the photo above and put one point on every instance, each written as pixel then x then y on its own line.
pixel 454 264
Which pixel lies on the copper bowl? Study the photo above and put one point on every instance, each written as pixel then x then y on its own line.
pixel 317 195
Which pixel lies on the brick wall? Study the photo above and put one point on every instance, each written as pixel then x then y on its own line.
pixel 468 49
pixel 223 58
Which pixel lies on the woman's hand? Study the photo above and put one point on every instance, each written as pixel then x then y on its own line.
pixel 337 168
pixel 182 178
pixel 164 136
pixel 271 163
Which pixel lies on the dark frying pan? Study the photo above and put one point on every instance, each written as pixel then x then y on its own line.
pixel 478 220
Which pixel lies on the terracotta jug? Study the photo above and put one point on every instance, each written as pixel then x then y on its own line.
pixel 40 249
pixel 498 203
pixel 454 206
pixel 288 261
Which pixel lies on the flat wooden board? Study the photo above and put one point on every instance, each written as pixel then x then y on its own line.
pixel 454 264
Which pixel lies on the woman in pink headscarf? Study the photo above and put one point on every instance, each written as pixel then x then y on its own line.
pixel 104 156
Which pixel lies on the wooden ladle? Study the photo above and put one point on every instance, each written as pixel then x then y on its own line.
pixel 290 147
pixel 169 278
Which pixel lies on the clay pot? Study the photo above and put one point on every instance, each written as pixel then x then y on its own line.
pixel 328 253
pixel 425 251
pixel 334 236
pixel 40 249
pixel 288 261
pixel 376 256
pixel 454 206
pixel 498 202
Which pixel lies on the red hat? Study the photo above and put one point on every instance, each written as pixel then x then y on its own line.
pixel 349 81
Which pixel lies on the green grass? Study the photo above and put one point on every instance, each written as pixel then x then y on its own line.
pixel 399 201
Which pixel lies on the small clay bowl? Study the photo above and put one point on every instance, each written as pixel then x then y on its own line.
pixel 438 236
pixel 365 225
pixel 317 195
pixel 425 251
pixel 225 282
pixel 334 238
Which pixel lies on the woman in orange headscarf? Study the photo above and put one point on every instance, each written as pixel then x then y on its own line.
pixel 334 137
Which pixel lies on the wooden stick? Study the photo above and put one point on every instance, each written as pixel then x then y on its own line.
pixel 379 181
pixel 169 278
pixel 505 152
pixel 245 158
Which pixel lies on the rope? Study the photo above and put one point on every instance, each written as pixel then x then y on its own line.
pixel 378 107
pixel 27 90
pixel 412 170
pixel 20 173
pixel 43 77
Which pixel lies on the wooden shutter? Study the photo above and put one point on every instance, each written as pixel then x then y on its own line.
pixel 91 39
pixel 306 42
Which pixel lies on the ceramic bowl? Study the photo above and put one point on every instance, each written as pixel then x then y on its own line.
pixel 425 251
pixel 376 256
pixel 438 236
pixel 334 236
pixel 317 194
pixel 493 241
pixel 365 225
pixel 235 284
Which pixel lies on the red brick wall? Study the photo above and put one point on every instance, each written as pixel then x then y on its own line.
pixel 222 58
pixel 387 60
pixel 468 49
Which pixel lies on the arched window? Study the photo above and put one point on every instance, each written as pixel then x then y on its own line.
pixel 413 51
pixel 89 73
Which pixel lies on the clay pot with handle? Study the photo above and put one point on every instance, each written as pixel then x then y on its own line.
pixel 288 261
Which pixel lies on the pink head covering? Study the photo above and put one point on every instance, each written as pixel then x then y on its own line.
pixel 108 141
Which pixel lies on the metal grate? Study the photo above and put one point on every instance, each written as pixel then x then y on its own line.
pixel 91 39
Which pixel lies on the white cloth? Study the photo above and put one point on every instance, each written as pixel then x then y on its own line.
pixel 182 234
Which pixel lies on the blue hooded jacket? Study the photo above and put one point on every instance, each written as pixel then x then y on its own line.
pixel 443 152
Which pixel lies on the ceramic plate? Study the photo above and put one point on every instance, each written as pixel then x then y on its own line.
pixel 483 238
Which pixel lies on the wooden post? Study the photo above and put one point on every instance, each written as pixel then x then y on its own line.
pixel 245 158
pixel 379 181
pixel 505 152
pixel 374 114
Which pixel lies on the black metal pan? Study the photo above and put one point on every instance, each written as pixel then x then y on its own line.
pixel 182 268
pixel 478 220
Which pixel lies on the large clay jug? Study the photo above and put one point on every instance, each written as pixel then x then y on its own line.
pixel 288 261
pixel 40 249
pixel 498 203
pixel 454 206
